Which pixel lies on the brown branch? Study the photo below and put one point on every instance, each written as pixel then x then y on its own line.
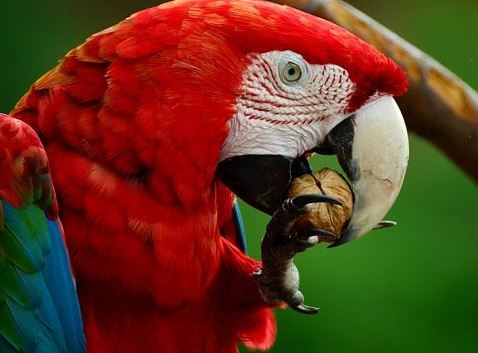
pixel 438 106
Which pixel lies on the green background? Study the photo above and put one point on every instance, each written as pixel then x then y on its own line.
pixel 410 289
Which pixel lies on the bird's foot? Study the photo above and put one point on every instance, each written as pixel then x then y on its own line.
pixel 278 280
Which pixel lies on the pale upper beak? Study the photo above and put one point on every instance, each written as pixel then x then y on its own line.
pixel 372 148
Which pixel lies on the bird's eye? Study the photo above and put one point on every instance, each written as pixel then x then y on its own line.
pixel 291 72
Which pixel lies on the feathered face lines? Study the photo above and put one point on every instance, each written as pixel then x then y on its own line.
pixel 286 105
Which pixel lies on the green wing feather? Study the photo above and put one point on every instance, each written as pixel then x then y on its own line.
pixel 39 311
pixel 23 293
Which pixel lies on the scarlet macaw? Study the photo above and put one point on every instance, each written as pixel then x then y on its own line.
pixel 148 126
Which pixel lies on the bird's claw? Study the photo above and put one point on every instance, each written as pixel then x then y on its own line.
pixel 283 288
pixel 278 280
pixel 306 309
pixel 385 224
pixel 304 235
pixel 301 201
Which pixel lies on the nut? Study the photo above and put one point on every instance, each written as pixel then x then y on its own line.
pixel 333 218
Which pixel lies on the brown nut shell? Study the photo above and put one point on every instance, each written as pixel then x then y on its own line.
pixel 326 216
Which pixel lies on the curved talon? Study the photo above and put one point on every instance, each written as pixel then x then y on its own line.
pixel 305 309
pixel 318 232
pixel 310 241
pixel 299 202
pixel 279 278
pixel 385 224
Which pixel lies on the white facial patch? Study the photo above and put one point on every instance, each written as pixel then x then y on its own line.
pixel 286 106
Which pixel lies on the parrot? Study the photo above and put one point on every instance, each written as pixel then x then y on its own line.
pixel 126 160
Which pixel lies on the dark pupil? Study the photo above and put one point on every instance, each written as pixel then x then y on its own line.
pixel 291 71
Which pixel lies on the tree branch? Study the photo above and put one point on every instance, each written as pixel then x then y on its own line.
pixel 439 106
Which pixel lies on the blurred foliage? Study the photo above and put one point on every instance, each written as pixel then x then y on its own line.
pixel 409 289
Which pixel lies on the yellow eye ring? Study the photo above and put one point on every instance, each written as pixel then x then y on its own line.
pixel 291 72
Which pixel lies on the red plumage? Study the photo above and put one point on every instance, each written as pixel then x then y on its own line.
pixel 25 177
pixel 133 122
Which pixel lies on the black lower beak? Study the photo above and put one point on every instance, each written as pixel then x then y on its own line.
pixel 261 180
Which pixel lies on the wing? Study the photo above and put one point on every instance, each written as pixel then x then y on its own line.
pixel 39 311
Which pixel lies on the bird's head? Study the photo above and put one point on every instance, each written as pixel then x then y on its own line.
pixel 275 85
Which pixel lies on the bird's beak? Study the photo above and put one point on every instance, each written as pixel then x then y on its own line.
pixel 372 148
pixel 260 180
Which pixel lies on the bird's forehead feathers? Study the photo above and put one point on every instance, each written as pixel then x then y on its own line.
pixel 261 26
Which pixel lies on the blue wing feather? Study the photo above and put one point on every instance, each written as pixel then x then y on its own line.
pixel 49 320
pixel 240 230
pixel 59 281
